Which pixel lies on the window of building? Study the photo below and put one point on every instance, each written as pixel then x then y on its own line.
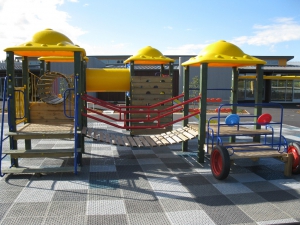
pixel 272 62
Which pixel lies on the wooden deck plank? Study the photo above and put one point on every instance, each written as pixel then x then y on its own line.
pixel 162 139
pixel 150 141
pixel 169 139
pixel 107 138
pixel 138 141
pixel 191 131
pixel 102 136
pixel 120 140
pixel 113 139
pixel 156 140
pixel 126 141
pixel 144 141
pixel 96 135
pixel 90 132
pixel 181 136
pixel 84 130
pixel 174 137
pixel 131 141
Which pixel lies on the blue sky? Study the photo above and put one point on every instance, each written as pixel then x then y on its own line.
pixel 115 27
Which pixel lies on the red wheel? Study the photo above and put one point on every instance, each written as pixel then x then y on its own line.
pixel 220 162
pixel 294 148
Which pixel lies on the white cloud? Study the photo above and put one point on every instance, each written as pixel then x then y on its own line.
pixel 281 30
pixel 168 27
pixel 188 49
pixel 20 20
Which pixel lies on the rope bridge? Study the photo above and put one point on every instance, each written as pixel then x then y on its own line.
pixel 168 138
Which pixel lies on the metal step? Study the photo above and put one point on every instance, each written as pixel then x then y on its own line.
pixel 39 170
pixel 37 153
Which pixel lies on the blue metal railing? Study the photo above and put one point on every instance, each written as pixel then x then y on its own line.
pixel 211 134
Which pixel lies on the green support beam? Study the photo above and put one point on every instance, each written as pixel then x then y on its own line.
pixel 162 69
pixel 234 94
pixel 42 67
pixel 202 106
pixel 258 98
pixel 186 91
pixel 48 66
pixel 26 81
pixel 171 69
pixel 128 98
pixel 10 73
pixel 80 91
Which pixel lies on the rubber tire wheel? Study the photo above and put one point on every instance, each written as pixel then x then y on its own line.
pixel 220 162
pixel 294 148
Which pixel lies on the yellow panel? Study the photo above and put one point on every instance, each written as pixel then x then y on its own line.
pixel 107 80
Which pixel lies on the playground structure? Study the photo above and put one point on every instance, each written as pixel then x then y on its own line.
pixel 149 106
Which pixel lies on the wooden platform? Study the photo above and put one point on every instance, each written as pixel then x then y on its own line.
pixel 43 131
pixel 227 130
pixel 168 138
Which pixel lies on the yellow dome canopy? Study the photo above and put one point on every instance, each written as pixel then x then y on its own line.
pixel 47 43
pixel 223 54
pixel 149 55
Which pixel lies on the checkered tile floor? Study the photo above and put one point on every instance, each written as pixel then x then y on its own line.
pixel 161 185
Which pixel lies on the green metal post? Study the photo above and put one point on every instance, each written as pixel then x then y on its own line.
pixel 80 90
pixel 128 103
pixel 48 66
pixel 42 67
pixel 10 73
pixel 186 91
pixel 162 69
pixel 26 95
pixel 171 69
pixel 202 106
pixel 258 98
pixel 234 96
pixel 84 66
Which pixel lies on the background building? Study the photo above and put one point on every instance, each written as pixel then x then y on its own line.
pixel 281 77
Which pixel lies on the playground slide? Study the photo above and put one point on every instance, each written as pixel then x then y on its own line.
pixel 107 80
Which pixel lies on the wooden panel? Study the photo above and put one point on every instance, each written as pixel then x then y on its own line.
pixel 152 85
pixel 154 97
pixel 51 115
pixel 151 79
pixel 42 106
pixel 154 91
pixel 148 103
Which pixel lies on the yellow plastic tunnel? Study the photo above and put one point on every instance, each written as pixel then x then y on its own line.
pixel 107 80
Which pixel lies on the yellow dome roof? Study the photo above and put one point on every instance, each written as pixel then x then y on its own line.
pixel 149 55
pixel 223 54
pixel 47 43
